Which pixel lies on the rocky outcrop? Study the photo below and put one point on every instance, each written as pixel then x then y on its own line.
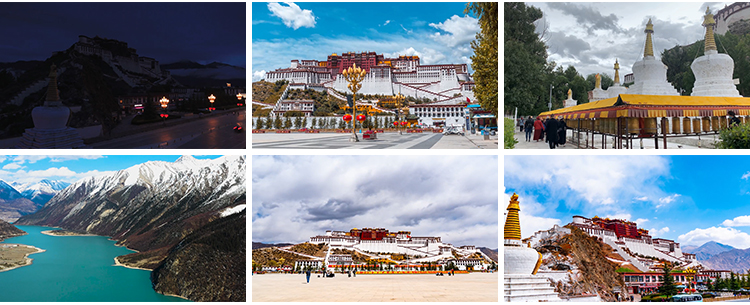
pixel 8 230
pixel 208 265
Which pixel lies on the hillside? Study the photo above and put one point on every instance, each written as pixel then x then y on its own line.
pixel 275 257
pixel 708 250
pixel 257 245
pixel 492 253
pixel 209 264
pixel 736 260
pixel 8 230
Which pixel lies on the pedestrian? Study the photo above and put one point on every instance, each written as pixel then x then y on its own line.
pixel 562 132
pixel 308 275
pixel 355 272
pixel 538 129
pixel 519 123
pixel 529 125
pixel 551 128
pixel 733 120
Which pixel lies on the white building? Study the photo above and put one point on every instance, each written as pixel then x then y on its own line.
pixel 304 264
pixel 439 115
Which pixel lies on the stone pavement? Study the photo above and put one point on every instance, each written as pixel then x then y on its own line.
pixel 474 287
pixel 388 140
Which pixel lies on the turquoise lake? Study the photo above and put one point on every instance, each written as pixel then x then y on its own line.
pixel 75 269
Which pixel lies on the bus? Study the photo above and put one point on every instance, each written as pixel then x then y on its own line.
pixel 687 298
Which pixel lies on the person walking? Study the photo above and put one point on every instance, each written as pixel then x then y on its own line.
pixel 538 129
pixel 308 275
pixel 529 126
pixel 551 132
pixel 562 132
pixel 733 120
pixel 519 123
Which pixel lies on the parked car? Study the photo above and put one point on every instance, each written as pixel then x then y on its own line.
pixel 457 130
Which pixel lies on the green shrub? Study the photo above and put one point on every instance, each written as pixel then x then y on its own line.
pixel 509 129
pixel 735 137
pixel 658 298
pixel 625 270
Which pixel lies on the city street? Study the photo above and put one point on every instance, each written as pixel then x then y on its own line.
pixel 389 140
pixel 209 132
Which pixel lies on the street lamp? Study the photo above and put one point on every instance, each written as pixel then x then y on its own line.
pixel 354 77
pixel 164 101
pixel 211 98
pixel 550 96
pixel 239 99
pixel 399 101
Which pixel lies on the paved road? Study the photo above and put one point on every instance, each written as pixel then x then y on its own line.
pixel 210 132
pixel 341 141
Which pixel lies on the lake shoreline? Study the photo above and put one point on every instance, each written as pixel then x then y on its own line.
pixel 27 260
pixel 65 233
pixel 117 263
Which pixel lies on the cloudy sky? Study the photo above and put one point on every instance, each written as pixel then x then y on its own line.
pixel 31 169
pixel 167 32
pixel 307 30
pixel 690 199
pixel 590 36
pixel 454 197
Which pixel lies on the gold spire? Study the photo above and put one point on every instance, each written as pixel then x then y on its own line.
pixel 52 94
pixel 617 72
pixel 649 50
pixel 512 228
pixel 598 81
pixel 709 23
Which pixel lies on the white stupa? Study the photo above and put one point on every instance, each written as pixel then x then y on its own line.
pixel 650 74
pixel 616 89
pixel 50 122
pixel 520 263
pixel 598 93
pixel 713 71
pixel 570 102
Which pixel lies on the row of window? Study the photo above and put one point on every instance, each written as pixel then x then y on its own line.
pixel 652 278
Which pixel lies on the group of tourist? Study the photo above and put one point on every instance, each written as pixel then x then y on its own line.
pixel 555 130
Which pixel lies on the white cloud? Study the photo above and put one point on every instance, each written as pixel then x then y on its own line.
pixel 641 221
pixel 258 75
pixel 667 200
pixel 292 15
pixel 746 176
pixel 623 216
pixel 386 22
pixel 658 232
pixel 75 157
pixel 644 198
pixel 739 221
pixel 462 30
pixel 727 236
pixel 406 30
pixel 311 194
pixel 427 55
pixel 12 166
pixel 28 158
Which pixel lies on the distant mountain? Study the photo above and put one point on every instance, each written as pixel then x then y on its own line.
pixel 190 73
pixel 736 260
pixel 492 253
pixel 8 192
pixel 257 245
pixel 18 199
pixel 8 230
pixel 42 191
pixel 707 250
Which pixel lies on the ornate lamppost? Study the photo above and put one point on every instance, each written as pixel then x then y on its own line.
pixel 239 99
pixel 164 101
pixel 354 77
pixel 399 102
pixel 211 98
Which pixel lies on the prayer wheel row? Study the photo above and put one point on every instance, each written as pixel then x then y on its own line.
pixel 650 125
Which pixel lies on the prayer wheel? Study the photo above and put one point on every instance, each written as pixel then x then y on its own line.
pixel 649 125
pixel 706 124
pixel 686 125
pixel 675 125
pixel 696 125
pixel 633 126
pixel 598 125
pixel 722 122
pixel 715 123
pixel 742 119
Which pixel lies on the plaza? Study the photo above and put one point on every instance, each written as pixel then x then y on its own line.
pixel 384 141
pixel 473 287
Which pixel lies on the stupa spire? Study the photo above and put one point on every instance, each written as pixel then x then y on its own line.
pixel 709 23
pixel 512 230
pixel 649 49
pixel 617 72
pixel 52 95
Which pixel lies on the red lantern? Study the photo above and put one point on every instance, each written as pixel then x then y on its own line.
pixel 395 123
pixel 347 117
pixel 403 123
pixel 360 118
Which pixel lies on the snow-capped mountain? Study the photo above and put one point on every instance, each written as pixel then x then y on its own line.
pixel 8 192
pixel 150 205
pixel 42 191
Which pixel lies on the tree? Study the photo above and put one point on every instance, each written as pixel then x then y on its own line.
pixel 525 58
pixel 313 122
pixel 298 122
pixel 709 286
pixel 341 124
pixel 287 123
pixel 606 81
pixel 257 123
pixel 734 282
pixel 667 287
pixel 484 60
pixel 277 122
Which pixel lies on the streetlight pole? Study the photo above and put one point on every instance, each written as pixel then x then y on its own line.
pixel 211 98
pixel 399 102
pixel 550 96
pixel 354 77
pixel 164 101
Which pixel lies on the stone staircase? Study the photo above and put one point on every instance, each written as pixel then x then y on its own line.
pixel 528 288
pixel 33 88
pixel 626 256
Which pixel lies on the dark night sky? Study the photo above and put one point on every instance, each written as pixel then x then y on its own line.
pixel 168 32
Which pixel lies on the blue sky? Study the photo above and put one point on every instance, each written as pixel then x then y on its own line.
pixel 436 32
pixel 691 199
pixel 25 169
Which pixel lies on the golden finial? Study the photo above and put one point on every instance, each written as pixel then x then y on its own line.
pixel 598 81
pixel 570 94
pixel 649 49
pixel 512 228
pixel 709 23
pixel 52 94
pixel 617 72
